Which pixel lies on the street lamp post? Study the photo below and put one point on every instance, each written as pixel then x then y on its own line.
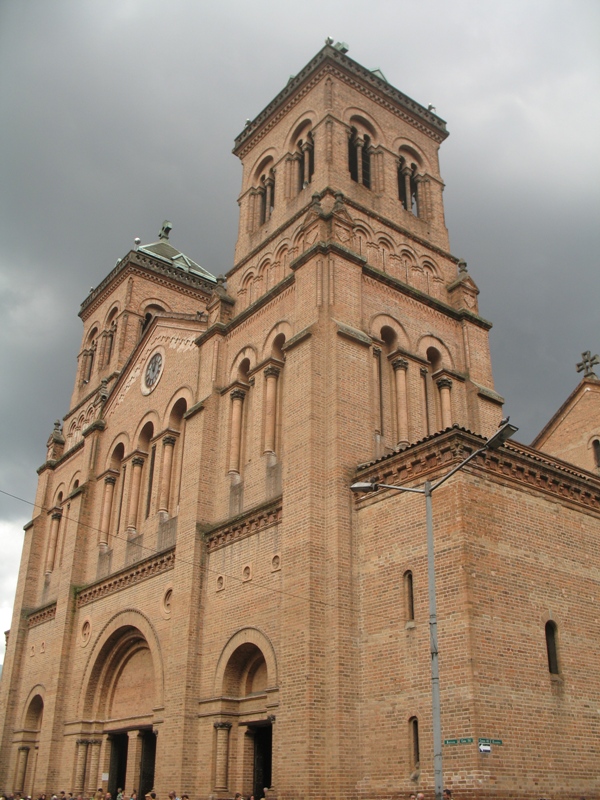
pixel 504 432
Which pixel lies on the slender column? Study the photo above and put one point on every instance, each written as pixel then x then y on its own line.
pixel 406 172
pixel 93 779
pixel 53 539
pixel 377 389
pixel 426 404
pixel 299 172
pixel 271 376
pixel 262 207
pixel 287 177
pixel 400 366
pixel 134 496
pixel 420 205
pixel 269 184
pixel 444 385
pixel 306 163
pixel 134 758
pixel 167 468
pixel 222 755
pixel 21 768
pixel 80 762
pixel 359 142
pixel 107 501
pixel 237 405
pixel 250 211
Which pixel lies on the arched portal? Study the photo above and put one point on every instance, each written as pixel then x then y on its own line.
pixel 123 686
pixel 247 681
pixel 28 745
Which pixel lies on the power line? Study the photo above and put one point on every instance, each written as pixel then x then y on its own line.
pixel 206 569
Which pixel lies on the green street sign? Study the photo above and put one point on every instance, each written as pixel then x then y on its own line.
pixel 463 740
pixel 490 741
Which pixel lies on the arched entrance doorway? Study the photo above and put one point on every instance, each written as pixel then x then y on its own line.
pixel 246 681
pixel 121 695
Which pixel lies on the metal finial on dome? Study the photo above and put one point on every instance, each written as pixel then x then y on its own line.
pixel 165 230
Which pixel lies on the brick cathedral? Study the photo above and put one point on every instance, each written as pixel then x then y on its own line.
pixel 204 606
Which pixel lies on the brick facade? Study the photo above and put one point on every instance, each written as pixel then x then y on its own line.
pixel 202 604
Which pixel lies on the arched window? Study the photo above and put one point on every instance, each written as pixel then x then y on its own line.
pixel 407 186
pixel 552 647
pixel 305 158
pixel 359 157
pixel 596 448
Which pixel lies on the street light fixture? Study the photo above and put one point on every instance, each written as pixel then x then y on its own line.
pixel 504 432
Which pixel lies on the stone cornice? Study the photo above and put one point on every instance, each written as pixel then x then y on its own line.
pixel 156 564
pixel 514 463
pixel 330 61
pixel 323 248
pixel 244 525
pixel 226 328
pixel 69 454
pixel 41 615
pixel 134 262
pixel 426 299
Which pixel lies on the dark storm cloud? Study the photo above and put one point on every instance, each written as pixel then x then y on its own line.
pixel 118 114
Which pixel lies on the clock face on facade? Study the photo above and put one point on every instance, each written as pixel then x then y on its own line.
pixel 152 373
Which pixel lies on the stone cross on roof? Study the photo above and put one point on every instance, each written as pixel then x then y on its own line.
pixel 587 362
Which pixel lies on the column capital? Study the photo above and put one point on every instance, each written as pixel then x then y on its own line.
pixel 138 461
pixel 57 515
pixel 222 725
pixel 110 480
pixel 272 371
pixel 400 363
pixel 424 371
pixel 169 441
pixel 237 394
pixel 306 146
pixel 444 383
pixel 406 169
pixel 24 747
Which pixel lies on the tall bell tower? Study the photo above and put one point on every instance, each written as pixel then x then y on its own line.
pixel 342 169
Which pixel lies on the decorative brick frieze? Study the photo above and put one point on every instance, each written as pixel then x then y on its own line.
pixel 258 519
pixel 519 463
pixel 155 565
pixel 41 615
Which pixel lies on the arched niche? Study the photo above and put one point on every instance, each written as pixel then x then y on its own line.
pixel 247 661
pixel 389 330
pixel 125 662
pixel 433 350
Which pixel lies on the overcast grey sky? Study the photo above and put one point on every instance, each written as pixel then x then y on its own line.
pixel 117 114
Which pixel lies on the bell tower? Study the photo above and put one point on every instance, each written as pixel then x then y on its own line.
pixel 343 168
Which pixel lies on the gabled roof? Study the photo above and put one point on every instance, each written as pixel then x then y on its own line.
pixel 158 257
pixel 164 250
pixel 587 383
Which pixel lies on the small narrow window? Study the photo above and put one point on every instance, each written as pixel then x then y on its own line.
pixel 596 446
pixel 551 647
pixel 409 600
pixel 413 734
